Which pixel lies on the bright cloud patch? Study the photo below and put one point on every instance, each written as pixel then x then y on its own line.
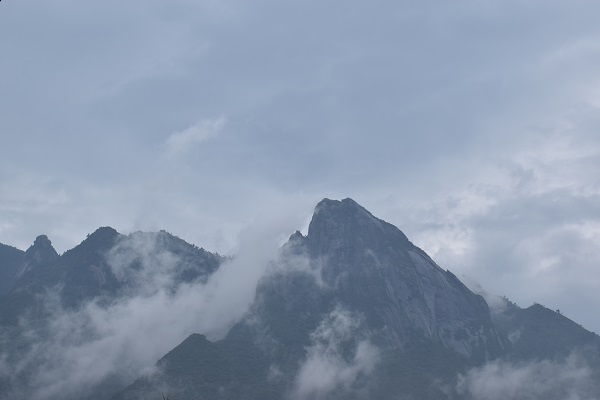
pixel 180 142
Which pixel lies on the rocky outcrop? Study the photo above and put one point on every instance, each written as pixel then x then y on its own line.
pixel 373 268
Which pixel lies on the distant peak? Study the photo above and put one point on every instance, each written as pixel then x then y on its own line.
pixel 104 232
pixel 296 236
pixel 345 223
pixel 42 240
pixel 42 249
pixel 106 229
pixel 346 206
pixel 102 237
pixel 348 202
pixel 346 209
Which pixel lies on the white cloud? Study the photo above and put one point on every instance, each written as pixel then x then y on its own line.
pixel 501 380
pixel 180 142
pixel 524 226
pixel 327 367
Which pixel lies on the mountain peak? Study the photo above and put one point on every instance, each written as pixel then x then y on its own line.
pixel 105 231
pixel 346 204
pixel 42 240
pixel 296 236
pixel 42 247
pixel 344 223
pixel 40 253
pixel 102 234
pixel 342 211
pixel 102 238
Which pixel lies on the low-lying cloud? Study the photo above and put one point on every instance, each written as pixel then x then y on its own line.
pixel 112 344
pixel 503 380
pixel 329 365
pixel 180 142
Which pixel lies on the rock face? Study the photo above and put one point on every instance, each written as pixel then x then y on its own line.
pixel 376 270
pixel 354 297
pixel 41 252
pixel 10 261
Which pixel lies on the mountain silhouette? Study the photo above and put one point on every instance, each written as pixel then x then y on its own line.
pixel 352 310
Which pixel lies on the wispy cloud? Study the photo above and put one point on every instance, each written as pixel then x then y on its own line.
pixel 181 142
pixel 328 366
pixel 502 380
pixel 82 348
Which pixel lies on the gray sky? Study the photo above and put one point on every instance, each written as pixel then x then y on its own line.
pixel 472 125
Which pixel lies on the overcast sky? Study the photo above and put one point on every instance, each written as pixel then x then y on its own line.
pixel 472 125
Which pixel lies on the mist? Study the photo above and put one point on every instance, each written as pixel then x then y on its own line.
pixel 329 366
pixel 114 343
pixel 572 379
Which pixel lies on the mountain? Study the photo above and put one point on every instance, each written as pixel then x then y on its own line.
pixel 106 269
pixel 377 271
pixel 84 272
pixel 35 272
pixel 10 261
pixel 352 310
pixel 538 333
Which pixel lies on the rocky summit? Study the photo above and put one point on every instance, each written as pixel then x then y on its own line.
pixel 377 271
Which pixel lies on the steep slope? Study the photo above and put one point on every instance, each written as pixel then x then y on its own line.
pixel 36 272
pixel 10 261
pixel 84 270
pixel 538 333
pixel 106 270
pixel 378 271
pixel 353 306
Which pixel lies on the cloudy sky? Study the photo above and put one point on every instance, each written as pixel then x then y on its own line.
pixel 472 125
